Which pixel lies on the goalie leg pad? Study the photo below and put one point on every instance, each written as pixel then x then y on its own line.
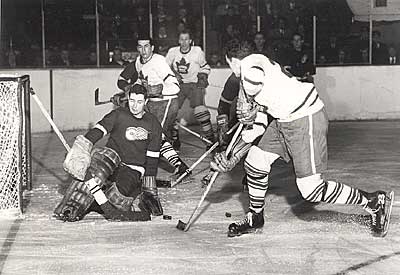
pixel 104 162
pixel 75 203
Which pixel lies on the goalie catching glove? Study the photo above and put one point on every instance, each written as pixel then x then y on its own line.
pixel 78 158
pixel 222 163
pixel 202 80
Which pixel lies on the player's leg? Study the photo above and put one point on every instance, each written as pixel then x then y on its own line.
pixel 306 140
pixel 257 167
pixel 183 94
pixel 166 111
pixel 201 113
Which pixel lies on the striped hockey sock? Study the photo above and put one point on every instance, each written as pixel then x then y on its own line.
pixel 202 114
pixel 170 154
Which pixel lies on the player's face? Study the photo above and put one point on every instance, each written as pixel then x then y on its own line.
pixel 136 104
pixel 145 49
pixel 185 41
pixel 234 64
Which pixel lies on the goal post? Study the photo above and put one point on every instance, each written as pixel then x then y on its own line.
pixel 15 143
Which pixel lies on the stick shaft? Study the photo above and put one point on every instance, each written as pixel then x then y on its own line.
pixel 190 221
pixel 203 156
pixel 195 134
pixel 50 120
pixel 215 145
pixel 213 178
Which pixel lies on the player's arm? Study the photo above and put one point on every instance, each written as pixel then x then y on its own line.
pixel 170 61
pixel 170 82
pixel 127 77
pixel 149 200
pixel 230 91
pixel 202 76
pixel 78 158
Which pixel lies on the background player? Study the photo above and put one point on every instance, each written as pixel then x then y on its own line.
pixel 192 70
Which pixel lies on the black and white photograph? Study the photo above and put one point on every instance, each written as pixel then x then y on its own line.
pixel 199 137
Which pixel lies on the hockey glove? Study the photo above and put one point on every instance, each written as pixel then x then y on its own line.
pixel 119 99
pixel 222 164
pixel 149 200
pixel 78 158
pixel 246 112
pixel 222 128
pixel 202 80
pixel 155 90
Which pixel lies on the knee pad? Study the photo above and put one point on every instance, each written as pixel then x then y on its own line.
pixel 258 162
pixel 201 113
pixel 103 163
pixel 312 188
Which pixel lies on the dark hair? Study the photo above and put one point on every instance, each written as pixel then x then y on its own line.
pixel 186 31
pixel 145 37
pixel 137 89
pixel 238 49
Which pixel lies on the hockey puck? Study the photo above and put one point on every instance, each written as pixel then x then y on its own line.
pixel 228 215
pixel 167 217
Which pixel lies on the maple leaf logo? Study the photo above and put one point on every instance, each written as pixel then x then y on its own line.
pixel 182 66
pixel 143 79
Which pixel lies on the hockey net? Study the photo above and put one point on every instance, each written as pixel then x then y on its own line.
pixel 15 157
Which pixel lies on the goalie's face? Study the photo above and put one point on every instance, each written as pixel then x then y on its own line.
pixel 136 104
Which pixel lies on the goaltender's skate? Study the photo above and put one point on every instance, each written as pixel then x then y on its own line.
pixel 252 223
pixel 380 208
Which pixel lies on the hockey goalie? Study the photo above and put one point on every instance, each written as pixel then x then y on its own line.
pixel 118 180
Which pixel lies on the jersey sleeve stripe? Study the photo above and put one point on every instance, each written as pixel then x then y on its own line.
pixel 101 128
pixel 205 64
pixel 152 154
pixel 168 75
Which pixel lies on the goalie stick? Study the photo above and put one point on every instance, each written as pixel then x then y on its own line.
pixel 49 119
pixel 185 226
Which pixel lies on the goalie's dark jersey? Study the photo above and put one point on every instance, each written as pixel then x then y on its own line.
pixel 137 141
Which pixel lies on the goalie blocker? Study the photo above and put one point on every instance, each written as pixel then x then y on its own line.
pixel 85 196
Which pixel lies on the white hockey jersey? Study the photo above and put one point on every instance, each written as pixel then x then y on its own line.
pixel 285 97
pixel 189 64
pixel 156 71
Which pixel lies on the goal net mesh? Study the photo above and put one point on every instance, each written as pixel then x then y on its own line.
pixel 13 144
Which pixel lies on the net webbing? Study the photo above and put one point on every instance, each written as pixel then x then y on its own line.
pixel 10 147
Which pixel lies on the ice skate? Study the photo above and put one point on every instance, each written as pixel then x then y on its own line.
pixel 250 224
pixel 379 207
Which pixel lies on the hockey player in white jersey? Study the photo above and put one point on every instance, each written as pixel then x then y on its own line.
pixel 192 70
pixel 298 133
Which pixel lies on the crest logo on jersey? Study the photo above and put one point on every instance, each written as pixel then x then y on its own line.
pixel 182 66
pixel 136 133
pixel 143 79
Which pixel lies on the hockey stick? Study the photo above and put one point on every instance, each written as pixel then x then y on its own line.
pixel 49 119
pixel 185 226
pixel 190 169
pixel 96 99
pixel 194 133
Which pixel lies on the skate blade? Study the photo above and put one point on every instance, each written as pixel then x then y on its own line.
pixel 255 231
pixel 387 214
